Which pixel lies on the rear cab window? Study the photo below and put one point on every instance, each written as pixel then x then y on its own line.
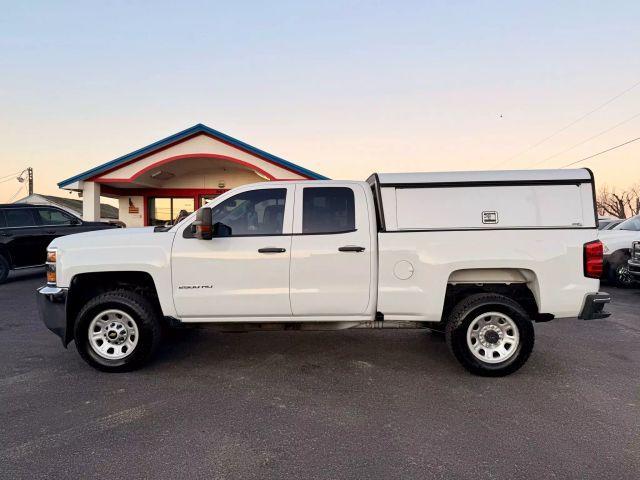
pixel 328 210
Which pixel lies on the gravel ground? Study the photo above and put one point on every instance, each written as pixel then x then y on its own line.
pixel 346 404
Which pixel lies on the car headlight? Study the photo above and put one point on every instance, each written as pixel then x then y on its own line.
pixel 52 257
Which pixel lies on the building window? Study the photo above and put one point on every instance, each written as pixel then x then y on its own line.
pixel 204 199
pixel 169 210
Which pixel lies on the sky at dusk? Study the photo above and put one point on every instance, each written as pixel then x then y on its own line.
pixel 343 88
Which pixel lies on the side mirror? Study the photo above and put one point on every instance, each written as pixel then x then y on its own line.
pixel 202 226
pixel 221 230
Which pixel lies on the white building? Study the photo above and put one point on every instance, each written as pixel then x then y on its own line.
pixel 180 172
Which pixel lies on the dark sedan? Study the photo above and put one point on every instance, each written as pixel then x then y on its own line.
pixel 26 230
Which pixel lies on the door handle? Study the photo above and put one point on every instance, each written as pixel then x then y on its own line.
pixel 351 248
pixel 272 250
pixel 5 234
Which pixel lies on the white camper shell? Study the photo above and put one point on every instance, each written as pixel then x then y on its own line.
pixel 486 200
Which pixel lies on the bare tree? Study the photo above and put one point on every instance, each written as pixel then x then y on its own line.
pixel 634 199
pixel 613 203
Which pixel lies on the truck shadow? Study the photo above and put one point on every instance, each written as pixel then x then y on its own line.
pixel 345 349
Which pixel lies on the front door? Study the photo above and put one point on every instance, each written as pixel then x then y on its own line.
pixel 331 252
pixel 245 273
pixel 55 223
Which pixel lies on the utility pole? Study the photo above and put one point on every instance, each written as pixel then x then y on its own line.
pixel 30 174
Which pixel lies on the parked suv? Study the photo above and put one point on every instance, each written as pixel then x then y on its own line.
pixel 26 230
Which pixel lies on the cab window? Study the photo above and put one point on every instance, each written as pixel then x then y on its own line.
pixel 51 216
pixel 257 212
pixel 328 210
pixel 19 217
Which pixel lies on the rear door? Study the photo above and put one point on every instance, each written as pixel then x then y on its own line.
pixel 23 238
pixel 331 251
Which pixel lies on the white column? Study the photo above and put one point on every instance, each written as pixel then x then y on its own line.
pixel 91 202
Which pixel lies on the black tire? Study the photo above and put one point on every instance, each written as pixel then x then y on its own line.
pixel 464 313
pixel 4 269
pixel 141 310
pixel 619 271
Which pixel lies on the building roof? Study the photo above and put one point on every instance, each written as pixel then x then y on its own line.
pixel 176 138
pixel 73 204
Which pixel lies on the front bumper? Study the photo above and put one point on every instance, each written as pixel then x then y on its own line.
pixel 593 307
pixel 634 268
pixel 52 307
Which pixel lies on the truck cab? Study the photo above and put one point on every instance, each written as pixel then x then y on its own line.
pixel 478 255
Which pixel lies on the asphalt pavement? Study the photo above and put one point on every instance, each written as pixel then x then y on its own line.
pixel 365 404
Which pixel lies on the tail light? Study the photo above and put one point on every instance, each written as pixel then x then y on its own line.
pixel 593 259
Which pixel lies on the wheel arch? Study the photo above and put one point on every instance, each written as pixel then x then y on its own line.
pixel 84 286
pixel 519 284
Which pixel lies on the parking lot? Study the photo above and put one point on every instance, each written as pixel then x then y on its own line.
pixel 344 404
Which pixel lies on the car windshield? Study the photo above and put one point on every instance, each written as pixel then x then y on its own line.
pixel 632 223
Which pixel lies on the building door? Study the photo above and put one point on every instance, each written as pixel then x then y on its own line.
pixel 245 273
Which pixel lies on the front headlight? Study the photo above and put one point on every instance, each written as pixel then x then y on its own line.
pixel 52 257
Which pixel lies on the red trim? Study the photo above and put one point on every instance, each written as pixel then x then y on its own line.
pixel 184 157
pixel 158 192
pixel 189 138
pixel 145 193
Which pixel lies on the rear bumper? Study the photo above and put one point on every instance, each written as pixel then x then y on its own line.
pixel 593 307
pixel 52 307
pixel 634 268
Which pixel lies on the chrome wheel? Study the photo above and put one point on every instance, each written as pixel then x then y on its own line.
pixel 113 334
pixel 493 337
pixel 623 276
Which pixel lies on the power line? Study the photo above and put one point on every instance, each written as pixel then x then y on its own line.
pixel 569 125
pixel 11 175
pixel 588 139
pixel 600 153
pixel 16 194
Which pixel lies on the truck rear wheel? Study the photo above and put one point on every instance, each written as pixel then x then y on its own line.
pixel 490 334
pixel 117 331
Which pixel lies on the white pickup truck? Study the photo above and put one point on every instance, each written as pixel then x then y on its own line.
pixel 479 255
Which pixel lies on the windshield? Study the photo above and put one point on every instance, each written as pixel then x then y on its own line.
pixel 632 223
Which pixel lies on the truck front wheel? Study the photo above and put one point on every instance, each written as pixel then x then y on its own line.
pixel 490 334
pixel 117 331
